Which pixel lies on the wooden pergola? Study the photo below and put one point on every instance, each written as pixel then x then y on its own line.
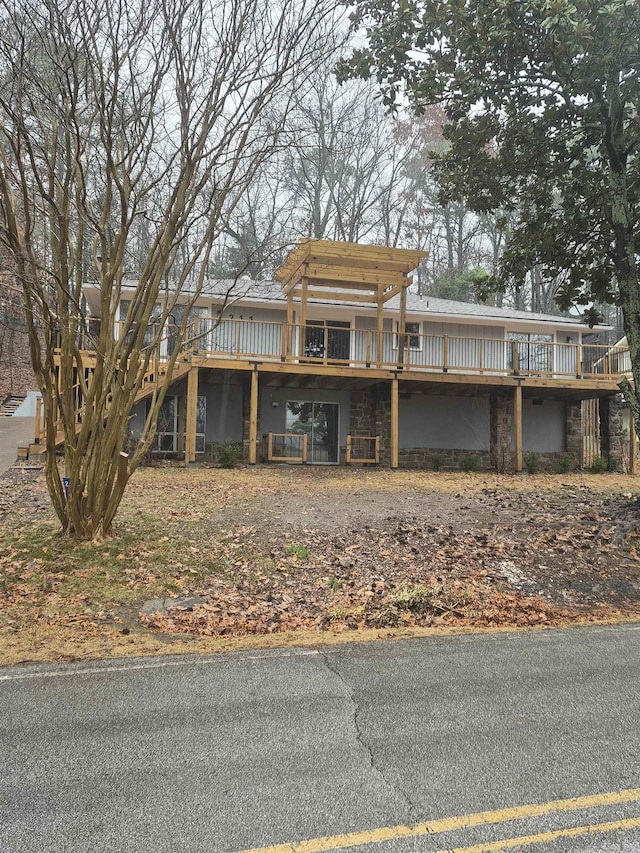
pixel 347 272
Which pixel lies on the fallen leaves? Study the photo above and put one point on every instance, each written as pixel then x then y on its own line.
pixel 271 551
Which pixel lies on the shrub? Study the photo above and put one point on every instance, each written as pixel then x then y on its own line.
pixel 599 465
pixel 565 464
pixel 229 454
pixel 532 463
pixel 437 461
pixel 470 462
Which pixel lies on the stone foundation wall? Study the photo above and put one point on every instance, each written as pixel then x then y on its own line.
pixel 444 459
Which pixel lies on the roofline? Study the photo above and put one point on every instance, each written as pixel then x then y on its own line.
pixel 280 300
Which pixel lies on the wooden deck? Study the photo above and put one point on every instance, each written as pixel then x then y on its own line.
pixel 290 354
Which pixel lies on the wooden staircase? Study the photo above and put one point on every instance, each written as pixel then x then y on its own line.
pixel 10 404
pixel 154 375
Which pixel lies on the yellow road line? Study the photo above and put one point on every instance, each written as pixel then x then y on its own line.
pixel 449 824
pixel 525 840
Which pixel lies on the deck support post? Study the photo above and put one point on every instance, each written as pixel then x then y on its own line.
pixel 394 423
pixel 253 417
pixel 517 427
pixel 192 414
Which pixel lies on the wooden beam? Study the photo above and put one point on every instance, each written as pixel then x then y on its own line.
pixel 253 417
pixel 359 262
pixel 342 296
pixel 517 426
pixel 394 423
pixel 353 276
pixel 192 412
pixel 294 277
pixel 390 294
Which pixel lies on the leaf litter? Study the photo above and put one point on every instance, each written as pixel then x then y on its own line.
pixel 265 551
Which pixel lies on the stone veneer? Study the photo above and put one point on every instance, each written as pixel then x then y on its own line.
pixel 611 431
pixel 447 459
pixel 501 450
pixel 573 432
pixel 370 414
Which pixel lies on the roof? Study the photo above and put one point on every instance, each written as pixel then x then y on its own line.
pixel 250 290
pixel 429 306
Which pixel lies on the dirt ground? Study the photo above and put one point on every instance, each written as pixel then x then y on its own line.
pixel 209 555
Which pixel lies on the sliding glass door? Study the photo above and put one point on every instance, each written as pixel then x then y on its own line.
pixel 320 422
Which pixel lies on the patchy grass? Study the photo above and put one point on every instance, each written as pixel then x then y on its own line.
pixel 292 555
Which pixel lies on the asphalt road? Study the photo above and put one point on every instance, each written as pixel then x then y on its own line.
pixel 387 742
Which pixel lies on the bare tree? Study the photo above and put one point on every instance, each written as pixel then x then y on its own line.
pixel 343 166
pixel 142 119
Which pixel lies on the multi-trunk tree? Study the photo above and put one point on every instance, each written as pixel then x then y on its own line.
pixel 129 131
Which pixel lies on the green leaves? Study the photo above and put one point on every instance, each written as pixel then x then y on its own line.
pixel 541 100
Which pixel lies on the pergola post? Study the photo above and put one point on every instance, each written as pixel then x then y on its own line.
pixel 380 329
pixel 402 330
pixel 289 330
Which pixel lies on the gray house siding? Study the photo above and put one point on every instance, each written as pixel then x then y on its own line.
pixel 273 407
pixel 543 426
pixel 460 423
pixel 224 412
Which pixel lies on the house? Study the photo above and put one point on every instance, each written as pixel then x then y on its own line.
pixel 339 362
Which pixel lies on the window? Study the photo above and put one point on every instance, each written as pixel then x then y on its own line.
pixel 167 433
pixel 413 339
pixel 534 352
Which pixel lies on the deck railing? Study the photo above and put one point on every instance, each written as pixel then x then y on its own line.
pixel 362 449
pixel 230 338
pixel 336 345
pixel 285 447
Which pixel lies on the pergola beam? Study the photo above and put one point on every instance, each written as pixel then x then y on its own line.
pixel 348 272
